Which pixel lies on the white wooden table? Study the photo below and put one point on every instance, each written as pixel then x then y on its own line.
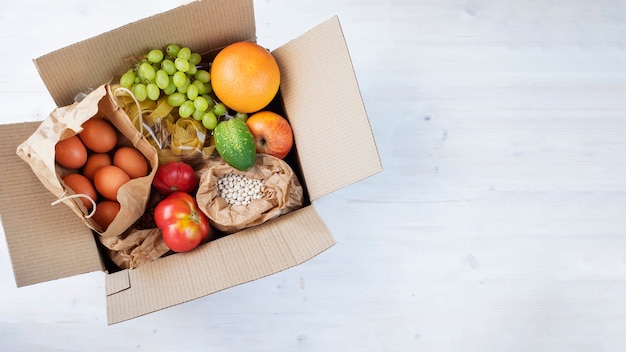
pixel 499 222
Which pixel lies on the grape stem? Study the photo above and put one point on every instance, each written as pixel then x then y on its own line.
pixel 133 58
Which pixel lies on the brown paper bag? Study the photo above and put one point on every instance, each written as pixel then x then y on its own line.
pixel 135 247
pixel 64 122
pixel 283 193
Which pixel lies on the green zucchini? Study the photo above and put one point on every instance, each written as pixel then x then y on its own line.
pixel 235 144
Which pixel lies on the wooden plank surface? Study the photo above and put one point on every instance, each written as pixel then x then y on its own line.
pixel 498 222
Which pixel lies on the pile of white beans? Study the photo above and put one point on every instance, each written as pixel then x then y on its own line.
pixel 239 190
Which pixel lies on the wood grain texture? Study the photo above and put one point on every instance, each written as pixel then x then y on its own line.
pixel 497 224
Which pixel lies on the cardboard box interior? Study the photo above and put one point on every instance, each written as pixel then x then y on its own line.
pixel 334 147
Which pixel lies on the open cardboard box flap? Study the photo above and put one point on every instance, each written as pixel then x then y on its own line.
pixel 232 260
pixel 201 25
pixel 323 103
pixel 334 143
pixel 45 242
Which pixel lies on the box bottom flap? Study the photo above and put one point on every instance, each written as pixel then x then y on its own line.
pixel 45 242
pixel 248 255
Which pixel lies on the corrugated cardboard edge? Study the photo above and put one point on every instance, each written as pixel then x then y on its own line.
pixel 201 25
pixel 323 103
pixel 45 242
pixel 248 255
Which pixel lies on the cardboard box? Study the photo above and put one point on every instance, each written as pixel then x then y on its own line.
pixel 333 139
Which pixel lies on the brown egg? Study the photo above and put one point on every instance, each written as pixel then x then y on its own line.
pixel 81 185
pixel 108 180
pixel 131 161
pixel 99 135
pixel 105 213
pixel 70 153
pixel 94 162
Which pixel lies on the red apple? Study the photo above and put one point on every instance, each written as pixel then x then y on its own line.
pixel 272 133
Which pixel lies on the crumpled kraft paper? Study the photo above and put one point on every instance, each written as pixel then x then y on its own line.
pixel 283 193
pixel 135 247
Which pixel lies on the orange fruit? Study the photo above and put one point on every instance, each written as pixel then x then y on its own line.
pixel 245 77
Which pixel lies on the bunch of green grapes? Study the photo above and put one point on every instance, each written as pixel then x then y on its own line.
pixel 175 73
